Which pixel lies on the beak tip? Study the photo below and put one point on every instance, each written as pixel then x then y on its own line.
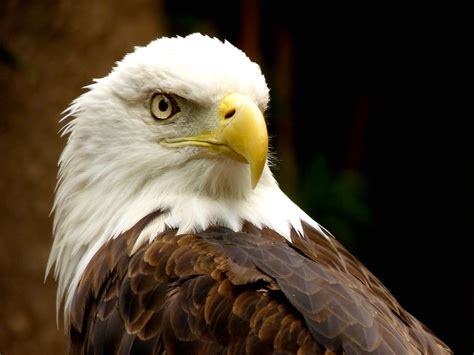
pixel 255 175
pixel 254 183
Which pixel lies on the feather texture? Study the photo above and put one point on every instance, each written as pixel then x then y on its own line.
pixel 248 292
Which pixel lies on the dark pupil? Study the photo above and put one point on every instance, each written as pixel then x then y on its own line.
pixel 163 105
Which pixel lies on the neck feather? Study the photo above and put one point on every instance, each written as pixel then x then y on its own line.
pixel 92 207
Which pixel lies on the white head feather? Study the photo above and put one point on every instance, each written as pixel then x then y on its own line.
pixel 113 171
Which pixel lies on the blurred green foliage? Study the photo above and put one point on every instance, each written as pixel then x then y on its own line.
pixel 338 201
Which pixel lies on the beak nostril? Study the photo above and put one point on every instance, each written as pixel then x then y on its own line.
pixel 230 114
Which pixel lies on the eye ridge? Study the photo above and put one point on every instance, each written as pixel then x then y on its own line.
pixel 163 106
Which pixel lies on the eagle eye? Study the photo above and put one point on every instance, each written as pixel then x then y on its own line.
pixel 163 106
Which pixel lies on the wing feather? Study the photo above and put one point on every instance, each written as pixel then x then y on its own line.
pixel 250 292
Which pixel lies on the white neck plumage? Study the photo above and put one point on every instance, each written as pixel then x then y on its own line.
pixel 92 207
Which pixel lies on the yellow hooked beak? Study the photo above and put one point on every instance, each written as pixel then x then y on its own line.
pixel 241 135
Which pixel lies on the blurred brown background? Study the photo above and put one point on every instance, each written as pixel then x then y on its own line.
pixel 50 50
pixel 371 129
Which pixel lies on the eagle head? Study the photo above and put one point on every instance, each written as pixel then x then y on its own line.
pixel 189 107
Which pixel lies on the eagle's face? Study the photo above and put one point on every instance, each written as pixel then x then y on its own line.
pixel 185 108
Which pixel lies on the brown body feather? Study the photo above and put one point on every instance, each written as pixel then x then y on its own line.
pixel 251 292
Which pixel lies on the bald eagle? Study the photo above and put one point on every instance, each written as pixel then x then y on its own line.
pixel 171 236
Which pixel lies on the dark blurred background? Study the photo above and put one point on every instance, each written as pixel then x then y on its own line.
pixel 370 117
